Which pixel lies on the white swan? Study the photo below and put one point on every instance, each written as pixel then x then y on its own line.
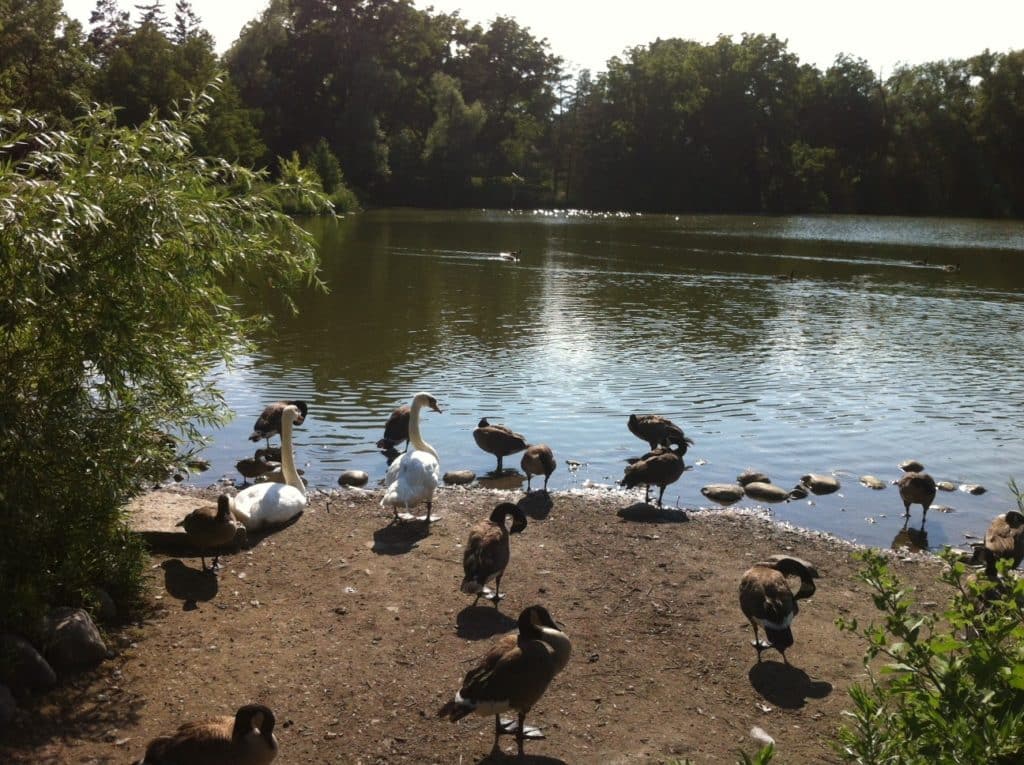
pixel 270 504
pixel 412 478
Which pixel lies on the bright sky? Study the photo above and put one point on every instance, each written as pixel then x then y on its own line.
pixel 587 33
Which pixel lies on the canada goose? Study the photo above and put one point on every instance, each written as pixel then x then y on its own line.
pixel 272 503
pixel 658 431
pixel 254 467
pixel 245 739
pixel 396 429
pixel 209 527
pixel 916 489
pixel 268 424
pixel 498 440
pixel 1004 539
pixel 487 551
pixel 513 674
pixel 659 467
pixel 413 476
pixel 765 599
pixel 538 459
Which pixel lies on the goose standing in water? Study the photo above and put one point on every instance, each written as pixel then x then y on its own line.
pixel 917 489
pixel 538 459
pixel 209 528
pixel 514 674
pixel 656 468
pixel 658 431
pixel 766 600
pixel 396 429
pixel 413 476
pixel 270 504
pixel 268 424
pixel 487 551
pixel 245 739
pixel 498 440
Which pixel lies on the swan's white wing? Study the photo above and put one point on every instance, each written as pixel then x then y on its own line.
pixel 417 477
pixel 392 473
pixel 267 504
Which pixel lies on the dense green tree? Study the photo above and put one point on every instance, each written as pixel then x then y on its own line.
pixel 116 247
pixel 42 62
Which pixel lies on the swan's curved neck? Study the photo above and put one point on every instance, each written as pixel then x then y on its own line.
pixel 415 438
pixel 291 475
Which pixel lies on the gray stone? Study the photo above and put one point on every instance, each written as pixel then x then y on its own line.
pixel 23 668
pixel 820 484
pixel 723 493
pixel 353 478
pixel 7 705
pixel 752 476
pixel 459 477
pixel 766 492
pixel 872 483
pixel 72 641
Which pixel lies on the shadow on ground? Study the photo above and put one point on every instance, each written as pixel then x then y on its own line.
pixel 785 685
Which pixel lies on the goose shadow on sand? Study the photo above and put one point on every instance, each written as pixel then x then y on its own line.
pixel 399 537
pixel 482 621
pixel 644 512
pixel 189 585
pixel 537 505
pixel 493 758
pixel 786 686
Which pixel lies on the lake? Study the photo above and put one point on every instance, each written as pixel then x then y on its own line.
pixel 790 345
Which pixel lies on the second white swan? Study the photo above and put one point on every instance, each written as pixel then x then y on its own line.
pixel 412 478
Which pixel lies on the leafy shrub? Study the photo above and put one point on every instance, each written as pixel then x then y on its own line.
pixel 953 688
pixel 116 245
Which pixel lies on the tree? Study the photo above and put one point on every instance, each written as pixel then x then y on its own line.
pixel 117 245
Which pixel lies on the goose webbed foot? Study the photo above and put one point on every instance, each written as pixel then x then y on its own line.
pixel 511 727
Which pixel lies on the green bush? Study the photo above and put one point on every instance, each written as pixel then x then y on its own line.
pixel 116 246
pixel 953 687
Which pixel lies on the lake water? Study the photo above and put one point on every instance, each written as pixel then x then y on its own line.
pixel 871 353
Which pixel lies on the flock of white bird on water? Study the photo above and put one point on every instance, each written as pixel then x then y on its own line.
pixel 518 668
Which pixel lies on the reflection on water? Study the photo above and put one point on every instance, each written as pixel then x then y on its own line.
pixel 871 353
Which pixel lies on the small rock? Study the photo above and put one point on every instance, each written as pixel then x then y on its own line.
pixel 760 736
pixel 872 483
pixel 353 478
pixel 723 493
pixel 819 483
pixel 24 669
pixel 752 476
pixel 106 609
pixel 945 485
pixel 72 640
pixel 765 492
pixel 459 477
pixel 973 488
pixel 798 492
pixel 911 466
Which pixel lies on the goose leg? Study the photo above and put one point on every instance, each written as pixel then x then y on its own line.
pixel 203 559
pixel 647 494
pixel 496 596
pixel 758 645
pixel 906 512
pixel 529 480
pixel 660 495
pixel 498 730
pixel 428 514
pixel 521 732
pixel 499 464
pixel 546 482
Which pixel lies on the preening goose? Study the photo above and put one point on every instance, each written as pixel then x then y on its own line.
pixel 487 551
pixel 208 528
pixel 656 468
pixel 269 504
pixel 498 440
pixel 538 459
pixel 245 739
pixel 1004 539
pixel 396 429
pixel 658 431
pixel 514 674
pixel 766 600
pixel 916 489
pixel 411 478
pixel 268 424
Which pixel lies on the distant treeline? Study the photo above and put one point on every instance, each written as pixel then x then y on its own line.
pixel 413 107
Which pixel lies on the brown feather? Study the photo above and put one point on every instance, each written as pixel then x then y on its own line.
pixel 658 431
pixel 237 740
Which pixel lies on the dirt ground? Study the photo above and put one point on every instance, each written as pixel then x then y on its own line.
pixel 354 632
